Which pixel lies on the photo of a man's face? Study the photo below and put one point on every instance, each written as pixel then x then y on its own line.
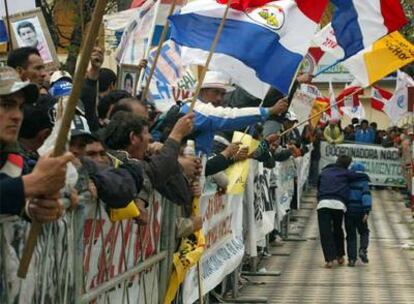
pixel 129 83
pixel 27 33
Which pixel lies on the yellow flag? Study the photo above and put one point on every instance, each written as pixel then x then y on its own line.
pixel 318 105
pixel 237 173
pixel 385 56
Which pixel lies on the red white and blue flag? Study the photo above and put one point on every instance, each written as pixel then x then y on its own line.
pixel 259 46
pixel 359 23
pixel 379 98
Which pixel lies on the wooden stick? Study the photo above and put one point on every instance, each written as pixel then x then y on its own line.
pixel 157 54
pixel 9 38
pixel 210 55
pixel 319 113
pixel 67 118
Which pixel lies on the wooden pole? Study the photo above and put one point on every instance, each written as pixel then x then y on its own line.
pixel 9 38
pixel 210 56
pixel 319 113
pixel 157 54
pixel 67 118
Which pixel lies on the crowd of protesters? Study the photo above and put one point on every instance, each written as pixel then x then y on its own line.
pixel 363 132
pixel 123 149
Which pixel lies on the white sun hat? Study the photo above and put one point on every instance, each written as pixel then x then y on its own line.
pixel 217 79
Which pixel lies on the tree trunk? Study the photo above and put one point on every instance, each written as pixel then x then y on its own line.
pixel 74 49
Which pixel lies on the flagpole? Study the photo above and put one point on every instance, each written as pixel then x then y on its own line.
pixel 323 70
pixel 10 42
pixel 210 56
pixel 68 115
pixel 157 54
pixel 147 49
pixel 319 113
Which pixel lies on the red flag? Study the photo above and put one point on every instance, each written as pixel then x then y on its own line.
pixel 137 3
pixel 379 97
pixel 312 9
pixel 241 5
pixel 346 100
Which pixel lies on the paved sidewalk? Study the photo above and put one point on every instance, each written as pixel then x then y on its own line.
pixel 387 279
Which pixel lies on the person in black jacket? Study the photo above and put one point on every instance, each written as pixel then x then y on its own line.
pixel 36 194
pixel 333 194
pixel 128 137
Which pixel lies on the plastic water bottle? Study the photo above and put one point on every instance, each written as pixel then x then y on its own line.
pixel 189 149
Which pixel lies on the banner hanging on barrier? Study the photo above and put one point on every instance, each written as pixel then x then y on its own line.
pixel 383 165
pixel 285 174
pixel 222 226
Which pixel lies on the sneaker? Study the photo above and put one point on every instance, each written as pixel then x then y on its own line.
pixel 340 260
pixel 363 256
pixel 329 265
pixel 351 263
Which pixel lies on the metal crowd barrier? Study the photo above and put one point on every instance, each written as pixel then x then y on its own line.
pixel 86 258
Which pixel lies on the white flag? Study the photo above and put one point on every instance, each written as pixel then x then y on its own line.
pixel 302 101
pixel 397 107
pixel 326 40
pixel 357 112
pixel 131 49
pixel 335 113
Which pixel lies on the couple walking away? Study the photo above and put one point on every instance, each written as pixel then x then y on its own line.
pixel 343 192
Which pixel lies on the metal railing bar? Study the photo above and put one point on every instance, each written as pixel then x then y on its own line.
pixel 94 293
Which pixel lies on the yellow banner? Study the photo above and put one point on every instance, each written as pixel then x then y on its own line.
pixel 388 55
pixel 189 253
pixel 237 173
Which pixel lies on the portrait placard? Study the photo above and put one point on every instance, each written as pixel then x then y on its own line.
pixel 30 29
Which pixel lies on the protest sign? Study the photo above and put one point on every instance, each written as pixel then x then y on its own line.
pixel 222 226
pixel 383 165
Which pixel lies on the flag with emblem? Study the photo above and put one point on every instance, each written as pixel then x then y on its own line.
pixel 259 46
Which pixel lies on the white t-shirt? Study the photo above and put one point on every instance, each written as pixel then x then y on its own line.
pixel 331 204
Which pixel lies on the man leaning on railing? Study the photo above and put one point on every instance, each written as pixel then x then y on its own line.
pixel 35 195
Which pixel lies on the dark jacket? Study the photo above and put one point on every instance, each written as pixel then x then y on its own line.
pixel 116 187
pixel 334 183
pixel 12 197
pixel 164 174
pixel 360 199
pixel 216 164
pixel 88 97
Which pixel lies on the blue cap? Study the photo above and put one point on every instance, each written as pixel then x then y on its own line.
pixel 357 166
pixel 61 88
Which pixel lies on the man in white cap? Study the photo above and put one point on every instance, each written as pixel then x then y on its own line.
pixel 36 194
pixel 212 117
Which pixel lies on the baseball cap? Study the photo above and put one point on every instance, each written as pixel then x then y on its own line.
pixel 61 88
pixel 357 166
pixel 60 75
pixel 79 126
pixel 10 83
